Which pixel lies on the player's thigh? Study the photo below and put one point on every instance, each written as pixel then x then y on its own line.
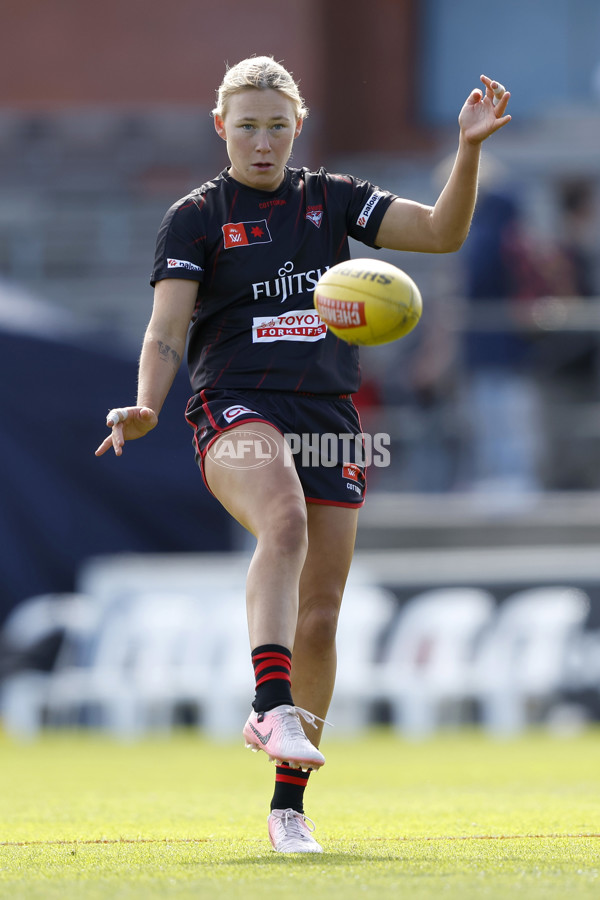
pixel 250 470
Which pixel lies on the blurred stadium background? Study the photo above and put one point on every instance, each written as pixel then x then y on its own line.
pixel 492 405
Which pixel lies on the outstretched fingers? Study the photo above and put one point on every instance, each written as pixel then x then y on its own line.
pixel 115 440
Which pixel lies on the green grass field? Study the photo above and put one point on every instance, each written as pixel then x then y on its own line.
pixel 457 816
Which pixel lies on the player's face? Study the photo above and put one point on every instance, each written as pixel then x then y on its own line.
pixel 259 127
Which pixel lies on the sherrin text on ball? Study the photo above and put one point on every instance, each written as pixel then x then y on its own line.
pixel 368 301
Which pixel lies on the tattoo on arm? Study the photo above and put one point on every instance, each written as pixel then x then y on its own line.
pixel 168 353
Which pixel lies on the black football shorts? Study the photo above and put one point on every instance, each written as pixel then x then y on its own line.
pixel 323 432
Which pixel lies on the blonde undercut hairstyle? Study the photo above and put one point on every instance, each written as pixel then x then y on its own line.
pixel 261 73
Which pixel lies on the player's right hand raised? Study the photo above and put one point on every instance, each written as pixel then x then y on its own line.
pixel 127 423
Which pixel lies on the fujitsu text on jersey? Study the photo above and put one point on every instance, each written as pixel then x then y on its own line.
pixel 287 283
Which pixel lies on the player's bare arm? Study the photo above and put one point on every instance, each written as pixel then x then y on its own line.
pixel 162 352
pixel 169 353
pixel 444 227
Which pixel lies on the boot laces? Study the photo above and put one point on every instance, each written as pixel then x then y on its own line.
pixel 291 820
pixel 308 717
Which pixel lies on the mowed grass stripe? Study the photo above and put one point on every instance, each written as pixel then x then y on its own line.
pixel 404 840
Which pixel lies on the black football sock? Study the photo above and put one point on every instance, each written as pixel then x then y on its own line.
pixel 272 667
pixel 290 785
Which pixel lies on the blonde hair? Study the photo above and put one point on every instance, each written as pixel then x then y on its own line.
pixel 259 72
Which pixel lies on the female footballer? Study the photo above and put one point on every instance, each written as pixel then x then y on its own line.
pixel 236 264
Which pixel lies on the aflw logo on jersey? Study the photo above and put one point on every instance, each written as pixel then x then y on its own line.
pixel 287 283
pixel 296 325
pixel 241 234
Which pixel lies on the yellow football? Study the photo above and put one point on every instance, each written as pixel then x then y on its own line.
pixel 368 301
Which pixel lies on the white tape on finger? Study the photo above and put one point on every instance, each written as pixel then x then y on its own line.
pixel 499 91
pixel 116 416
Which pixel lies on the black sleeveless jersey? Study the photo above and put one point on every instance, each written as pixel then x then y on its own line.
pixel 257 256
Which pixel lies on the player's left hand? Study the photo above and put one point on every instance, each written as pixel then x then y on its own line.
pixel 484 112
pixel 127 423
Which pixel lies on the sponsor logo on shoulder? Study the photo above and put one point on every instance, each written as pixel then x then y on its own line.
pixel 242 234
pixel 232 412
pixel 368 208
pixel 183 264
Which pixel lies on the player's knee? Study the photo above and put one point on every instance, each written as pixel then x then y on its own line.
pixel 317 625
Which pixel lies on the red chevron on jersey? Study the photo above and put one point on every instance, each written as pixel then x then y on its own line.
pixel 241 234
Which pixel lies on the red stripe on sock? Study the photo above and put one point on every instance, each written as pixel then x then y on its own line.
pixel 279 657
pixel 271 676
pixel 269 664
pixel 293 779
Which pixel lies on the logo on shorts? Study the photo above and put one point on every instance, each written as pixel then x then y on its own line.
pixel 243 450
pixel 368 208
pixel 242 234
pixel 355 478
pixel 352 472
pixel 232 412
